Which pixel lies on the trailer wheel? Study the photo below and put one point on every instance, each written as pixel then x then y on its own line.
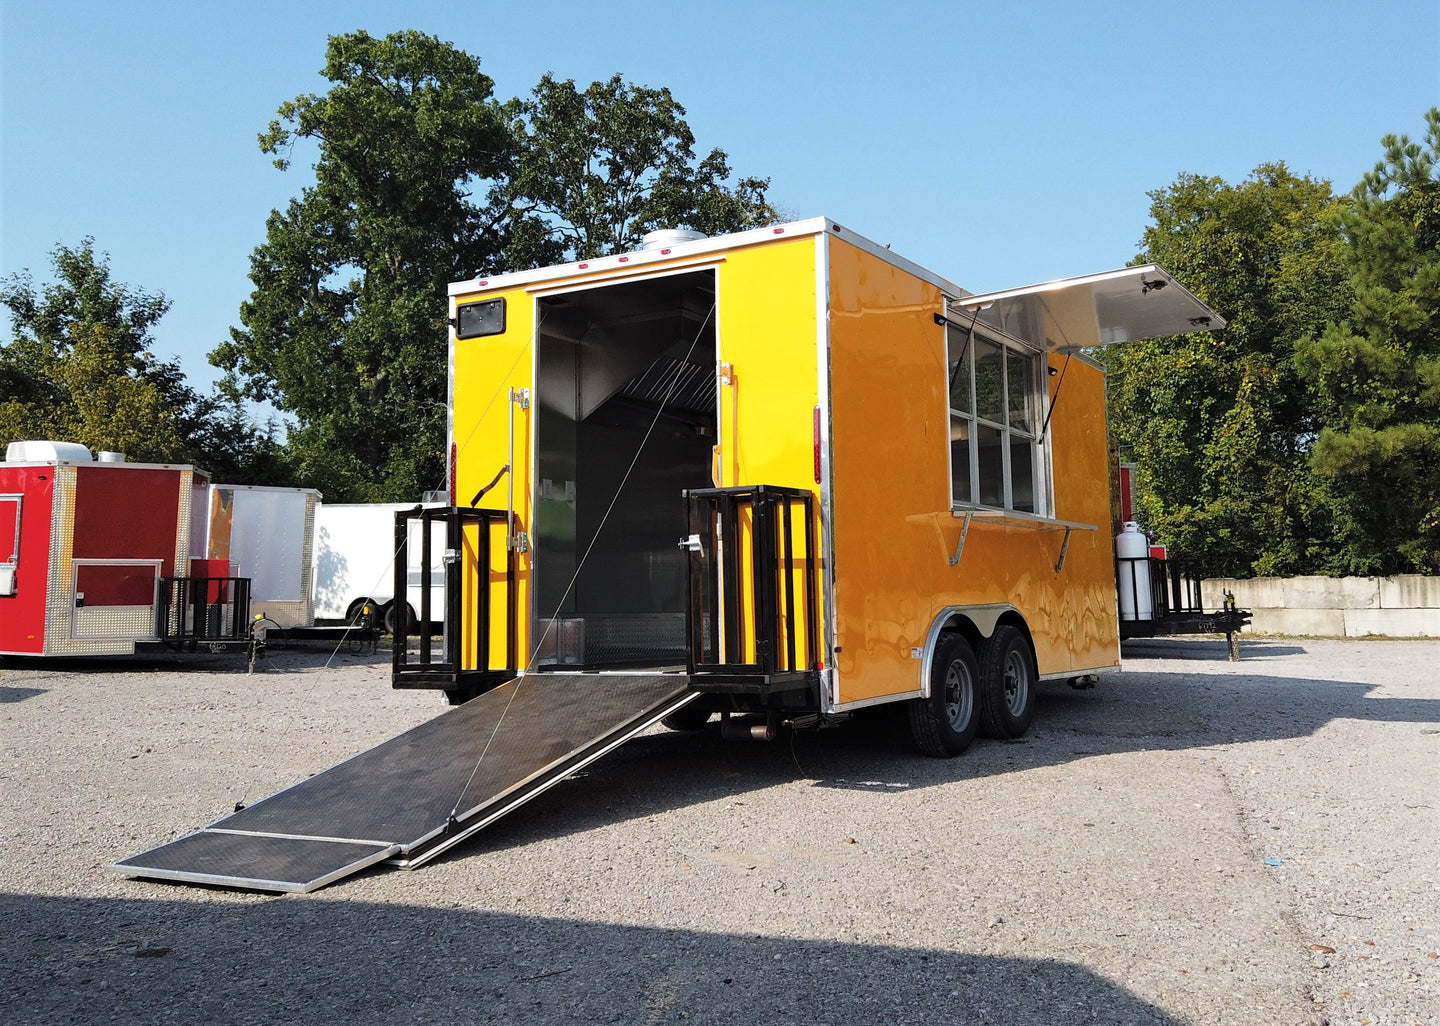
pixel 1007 684
pixel 944 724
pixel 392 617
pixel 688 717
pixel 355 612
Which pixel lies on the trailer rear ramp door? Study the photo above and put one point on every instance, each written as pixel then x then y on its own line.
pixel 396 801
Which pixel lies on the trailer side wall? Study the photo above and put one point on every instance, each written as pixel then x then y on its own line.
pixel 894 528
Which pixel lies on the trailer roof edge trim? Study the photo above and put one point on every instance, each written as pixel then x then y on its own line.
pixel 1071 314
pixel 640 259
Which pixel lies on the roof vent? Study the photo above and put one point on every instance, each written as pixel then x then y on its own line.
pixel 666 237
pixel 110 456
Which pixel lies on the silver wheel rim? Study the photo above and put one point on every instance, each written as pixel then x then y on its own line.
pixel 959 695
pixel 1017 682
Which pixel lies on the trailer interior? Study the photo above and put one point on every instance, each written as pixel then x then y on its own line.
pixel 625 422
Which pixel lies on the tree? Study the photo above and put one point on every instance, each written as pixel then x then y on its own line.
pixel 344 328
pixel 79 367
pixel 1216 421
pixel 606 165
pixel 1373 375
pixel 422 177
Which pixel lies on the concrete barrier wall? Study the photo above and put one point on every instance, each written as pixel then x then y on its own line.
pixel 1407 606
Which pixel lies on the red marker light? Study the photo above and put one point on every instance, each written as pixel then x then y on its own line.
pixel 624 260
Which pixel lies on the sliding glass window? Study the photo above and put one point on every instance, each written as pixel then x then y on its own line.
pixel 995 399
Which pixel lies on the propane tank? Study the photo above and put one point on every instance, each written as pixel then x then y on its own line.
pixel 1132 565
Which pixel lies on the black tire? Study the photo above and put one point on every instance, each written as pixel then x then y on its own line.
pixel 355 613
pixel 688 717
pixel 1007 684
pixel 944 723
pixel 392 618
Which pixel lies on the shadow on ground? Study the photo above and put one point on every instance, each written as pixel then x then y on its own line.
pixel 318 961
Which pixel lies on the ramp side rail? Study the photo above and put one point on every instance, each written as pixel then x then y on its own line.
pixel 191 611
pixel 753 619
pixel 458 657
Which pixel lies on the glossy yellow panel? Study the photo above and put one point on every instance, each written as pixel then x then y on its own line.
pixel 485 371
pixel 894 531
pixel 770 370
pixel 766 311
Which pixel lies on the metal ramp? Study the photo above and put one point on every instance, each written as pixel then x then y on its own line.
pixel 395 801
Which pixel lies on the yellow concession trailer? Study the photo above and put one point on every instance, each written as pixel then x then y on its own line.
pixel 797 469
pixel 776 476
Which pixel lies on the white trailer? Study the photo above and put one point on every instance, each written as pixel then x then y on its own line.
pixel 267 534
pixel 355 562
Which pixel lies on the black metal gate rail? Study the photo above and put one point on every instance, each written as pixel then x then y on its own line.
pixel 193 611
pixel 440 661
pixel 722 627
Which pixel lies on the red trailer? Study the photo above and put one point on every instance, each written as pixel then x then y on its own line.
pixel 106 557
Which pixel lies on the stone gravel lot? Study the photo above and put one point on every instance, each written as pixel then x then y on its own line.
pixel 1194 841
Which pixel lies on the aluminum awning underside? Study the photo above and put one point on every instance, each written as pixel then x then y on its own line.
pixel 1072 314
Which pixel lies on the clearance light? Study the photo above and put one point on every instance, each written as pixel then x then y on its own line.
pixel 777 231
pixel 584 267
pixel 624 260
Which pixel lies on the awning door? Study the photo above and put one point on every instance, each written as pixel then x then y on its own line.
pixel 1093 310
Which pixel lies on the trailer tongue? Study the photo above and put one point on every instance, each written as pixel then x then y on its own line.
pixel 412 797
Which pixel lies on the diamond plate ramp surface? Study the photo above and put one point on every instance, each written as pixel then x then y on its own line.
pixel 476 762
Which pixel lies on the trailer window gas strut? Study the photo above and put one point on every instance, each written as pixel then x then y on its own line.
pixel 944 321
pixel 493 482
pixel 1054 398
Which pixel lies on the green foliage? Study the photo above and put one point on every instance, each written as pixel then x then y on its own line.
pixel 1304 437
pixel 344 330
pixel 421 178
pixel 1373 378
pixel 606 165
pixel 79 368
pixel 1215 420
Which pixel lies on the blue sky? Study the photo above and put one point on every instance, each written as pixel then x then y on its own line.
pixel 997 144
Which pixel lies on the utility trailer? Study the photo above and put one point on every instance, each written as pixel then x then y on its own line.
pixel 267 533
pixel 1159 598
pixel 355 564
pixel 779 476
pixel 107 557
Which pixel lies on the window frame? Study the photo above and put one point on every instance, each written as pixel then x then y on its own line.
pixel 1036 434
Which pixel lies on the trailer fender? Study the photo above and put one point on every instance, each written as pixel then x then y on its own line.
pixel 974 623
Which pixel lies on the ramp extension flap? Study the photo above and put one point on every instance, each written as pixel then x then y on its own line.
pixel 396 800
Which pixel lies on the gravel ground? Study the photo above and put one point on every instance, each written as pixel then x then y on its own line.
pixel 1194 841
